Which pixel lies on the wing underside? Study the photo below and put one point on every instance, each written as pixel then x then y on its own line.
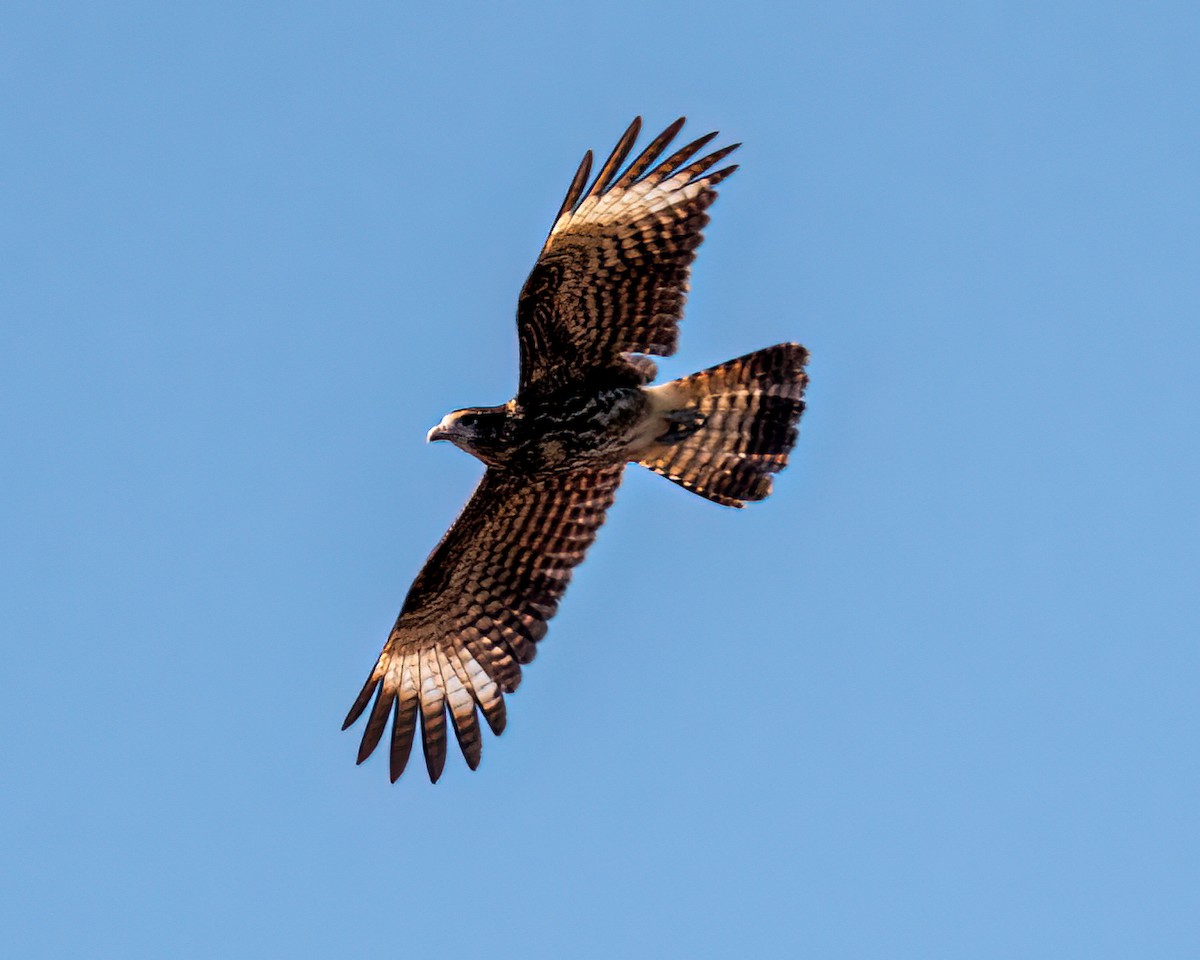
pixel 476 611
pixel 613 274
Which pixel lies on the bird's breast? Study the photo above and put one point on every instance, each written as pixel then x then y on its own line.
pixel 576 429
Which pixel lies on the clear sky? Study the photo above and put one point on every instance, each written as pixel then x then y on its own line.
pixel 937 698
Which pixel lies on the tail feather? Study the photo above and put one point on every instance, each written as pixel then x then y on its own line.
pixel 729 428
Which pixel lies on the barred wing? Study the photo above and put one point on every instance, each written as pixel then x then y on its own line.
pixel 613 275
pixel 477 609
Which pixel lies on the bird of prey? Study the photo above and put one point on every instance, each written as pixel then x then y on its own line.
pixel 607 290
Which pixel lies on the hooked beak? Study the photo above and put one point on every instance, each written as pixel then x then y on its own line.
pixel 443 431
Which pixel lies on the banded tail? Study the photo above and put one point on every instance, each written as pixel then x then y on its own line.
pixel 728 428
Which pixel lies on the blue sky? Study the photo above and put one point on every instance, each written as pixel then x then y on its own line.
pixel 936 698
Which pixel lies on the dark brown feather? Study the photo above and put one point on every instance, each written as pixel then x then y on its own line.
pixel 653 149
pixel 745 413
pixel 612 277
pixel 675 160
pixel 616 158
pixel 577 183
pixel 477 609
pixel 699 166
pixel 404 726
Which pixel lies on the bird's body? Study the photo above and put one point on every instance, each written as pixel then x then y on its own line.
pixel 585 424
pixel 607 289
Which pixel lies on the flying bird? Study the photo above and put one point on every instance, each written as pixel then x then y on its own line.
pixel 607 290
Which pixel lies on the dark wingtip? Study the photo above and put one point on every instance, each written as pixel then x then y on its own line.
pixel 364 697
pixel 607 172
pixel 669 166
pixel 403 727
pixel 433 742
pixel 375 722
pixel 578 182
pixel 496 716
pixel 672 130
pixel 716 177
pixel 697 169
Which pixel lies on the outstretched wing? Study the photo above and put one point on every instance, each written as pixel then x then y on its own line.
pixel 477 608
pixel 613 275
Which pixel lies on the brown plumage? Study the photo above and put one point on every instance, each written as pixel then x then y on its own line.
pixel 608 289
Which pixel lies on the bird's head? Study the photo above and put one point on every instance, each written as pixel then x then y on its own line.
pixel 476 430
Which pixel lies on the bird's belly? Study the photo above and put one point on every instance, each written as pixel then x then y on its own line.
pixel 580 430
